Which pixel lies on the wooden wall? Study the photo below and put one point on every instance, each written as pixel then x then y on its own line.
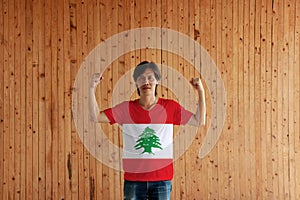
pixel 255 44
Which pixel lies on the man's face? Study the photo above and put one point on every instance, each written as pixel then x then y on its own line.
pixel 146 82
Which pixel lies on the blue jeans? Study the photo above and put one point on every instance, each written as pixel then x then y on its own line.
pixel 137 190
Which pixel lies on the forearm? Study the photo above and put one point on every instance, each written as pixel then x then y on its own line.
pixel 201 108
pixel 93 106
pixel 199 118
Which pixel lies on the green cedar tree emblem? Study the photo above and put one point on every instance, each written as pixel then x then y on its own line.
pixel 148 140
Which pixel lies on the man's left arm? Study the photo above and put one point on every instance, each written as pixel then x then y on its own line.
pixel 198 118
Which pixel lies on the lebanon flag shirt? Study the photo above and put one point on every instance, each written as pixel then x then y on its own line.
pixel 148 137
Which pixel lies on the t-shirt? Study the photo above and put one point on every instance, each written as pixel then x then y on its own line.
pixel 148 137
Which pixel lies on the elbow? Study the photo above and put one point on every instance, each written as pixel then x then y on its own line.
pixel 93 119
pixel 202 122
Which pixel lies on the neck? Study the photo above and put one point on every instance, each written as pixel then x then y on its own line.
pixel 147 102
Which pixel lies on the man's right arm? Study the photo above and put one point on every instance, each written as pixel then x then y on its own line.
pixel 94 114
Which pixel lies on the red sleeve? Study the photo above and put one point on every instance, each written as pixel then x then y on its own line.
pixel 181 115
pixel 109 114
pixel 118 114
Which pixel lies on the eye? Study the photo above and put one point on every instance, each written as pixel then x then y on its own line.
pixel 151 78
pixel 141 79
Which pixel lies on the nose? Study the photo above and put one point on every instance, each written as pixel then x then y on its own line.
pixel 147 82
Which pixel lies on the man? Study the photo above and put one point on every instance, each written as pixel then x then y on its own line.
pixel 147 126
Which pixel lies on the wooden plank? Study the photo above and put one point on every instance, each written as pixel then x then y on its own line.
pixel 281 51
pixel 67 100
pixel 29 101
pixel 252 99
pixel 1 100
pixel 233 87
pixel 274 119
pixel 6 96
pixel 146 22
pixel 263 129
pixel 238 94
pixel 85 166
pixel 246 101
pixel 224 63
pixel 72 165
pixel 41 106
pixel 73 159
pixel 48 99
pixel 232 93
pixel 18 78
pixel 227 145
pixel 297 98
pixel 97 179
pixel 216 164
pixel 257 107
pixel 131 26
pixel 23 99
pixel 35 97
pixel 11 71
pixel 54 99
pixel 240 183
pixel 268 93
pixel 291 92
pixel 285 101
pixel 164 21
pixel 60 102
pixel 155 12
pixel 215 44
pixel 91 137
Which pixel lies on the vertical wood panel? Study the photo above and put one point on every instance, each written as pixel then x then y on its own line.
pixel 22 23
pixel 48 114
pixel 2 98
pixel 5 101
pixel 11 64
pixel 29 99
pixel 252 115
pixel 254 43
pixel 258 119
pixel 17 128
pixel 73 158
pixel 42 106
pixel 291 91
pixel 285 97
pixel 297 97
pixel 233 112
pixel 274 119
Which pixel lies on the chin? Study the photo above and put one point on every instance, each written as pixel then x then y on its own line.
pixel 147 93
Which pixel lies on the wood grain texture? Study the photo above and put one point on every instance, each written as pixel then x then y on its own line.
pixel 254 43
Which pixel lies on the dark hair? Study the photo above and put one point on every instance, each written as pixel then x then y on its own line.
pixel 141 68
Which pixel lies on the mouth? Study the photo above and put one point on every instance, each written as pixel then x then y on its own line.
pixel 146 87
